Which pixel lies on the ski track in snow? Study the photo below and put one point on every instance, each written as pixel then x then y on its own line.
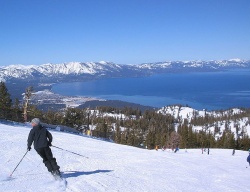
pixel 112 167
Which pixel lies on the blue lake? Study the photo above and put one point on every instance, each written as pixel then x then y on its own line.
pixel 215 90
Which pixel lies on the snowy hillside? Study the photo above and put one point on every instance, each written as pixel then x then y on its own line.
pixel 187 113
pixel 113 167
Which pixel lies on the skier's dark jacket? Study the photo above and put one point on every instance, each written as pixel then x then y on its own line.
pixel 41 137
pixel 248 158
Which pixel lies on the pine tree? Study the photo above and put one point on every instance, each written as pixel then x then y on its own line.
pixel 74 117
pixel 17 112
pixel 5 102
pixel 117 132
pixel 150 140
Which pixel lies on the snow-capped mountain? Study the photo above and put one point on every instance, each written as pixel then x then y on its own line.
pixel 197 65
pixel 60 72
pixel 57 70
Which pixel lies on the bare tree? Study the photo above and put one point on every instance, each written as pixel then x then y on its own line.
pixel 27 95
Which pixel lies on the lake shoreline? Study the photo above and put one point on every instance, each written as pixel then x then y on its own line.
pixel 210 91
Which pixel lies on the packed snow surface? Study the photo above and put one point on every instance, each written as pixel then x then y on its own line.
pixel 107 166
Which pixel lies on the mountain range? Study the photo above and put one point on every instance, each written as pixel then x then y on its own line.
pixel 79 70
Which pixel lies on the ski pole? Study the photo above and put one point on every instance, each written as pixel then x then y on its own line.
pixel 70 151
pixel 18 163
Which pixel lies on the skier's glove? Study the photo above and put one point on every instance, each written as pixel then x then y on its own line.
pixel 29 148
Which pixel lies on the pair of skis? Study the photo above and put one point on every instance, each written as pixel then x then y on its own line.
pixel 57 176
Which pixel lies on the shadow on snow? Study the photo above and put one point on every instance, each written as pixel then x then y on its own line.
pixel 67 174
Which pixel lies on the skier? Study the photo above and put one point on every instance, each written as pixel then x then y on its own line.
pixel 42 141
pixel 233 152
pixel 248 158
pixel 176 149
pixel 156 147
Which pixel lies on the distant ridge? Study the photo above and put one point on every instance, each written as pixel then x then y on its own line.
pixel 77 71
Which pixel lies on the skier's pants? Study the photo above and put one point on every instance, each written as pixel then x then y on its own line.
pixel 48 159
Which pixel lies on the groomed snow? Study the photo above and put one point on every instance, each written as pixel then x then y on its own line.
pixel 113 167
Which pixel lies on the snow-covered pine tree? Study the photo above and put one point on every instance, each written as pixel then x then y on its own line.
pixel 5 102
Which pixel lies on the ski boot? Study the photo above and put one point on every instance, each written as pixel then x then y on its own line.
pixel 57 174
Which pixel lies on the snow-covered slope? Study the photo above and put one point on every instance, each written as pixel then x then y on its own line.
pixel 187 113
pixel 113 167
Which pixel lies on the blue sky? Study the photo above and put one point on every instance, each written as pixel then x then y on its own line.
pixel 123 31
